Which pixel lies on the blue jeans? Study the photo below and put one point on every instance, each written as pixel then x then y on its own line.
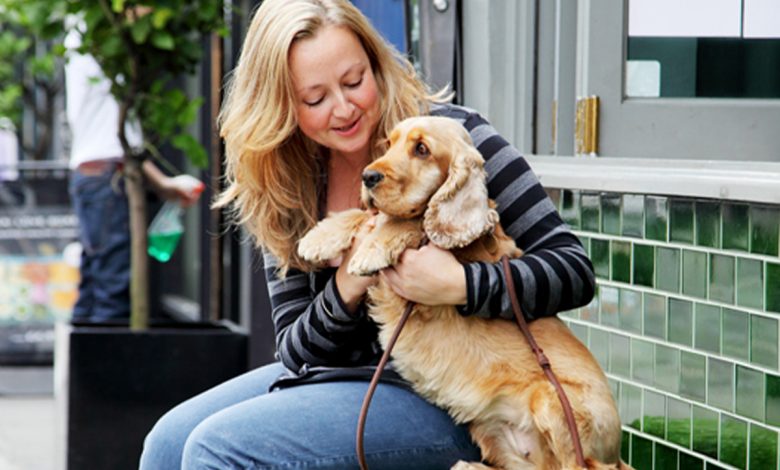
pixel 239 425
pixel 104 232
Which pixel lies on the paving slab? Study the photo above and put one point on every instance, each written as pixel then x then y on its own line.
pixel 29 430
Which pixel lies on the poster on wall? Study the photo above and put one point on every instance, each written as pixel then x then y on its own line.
pixel 38 278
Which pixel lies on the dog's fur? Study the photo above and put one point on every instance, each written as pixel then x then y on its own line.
pixel 482 371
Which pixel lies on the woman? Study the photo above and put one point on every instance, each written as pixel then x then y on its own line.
pixel 312 100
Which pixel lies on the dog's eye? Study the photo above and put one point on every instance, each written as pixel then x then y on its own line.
pixel 421 150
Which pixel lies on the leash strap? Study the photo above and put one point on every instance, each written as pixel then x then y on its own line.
pixel 544 363
pixel 372 386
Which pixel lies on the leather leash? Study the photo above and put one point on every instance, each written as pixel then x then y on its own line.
pixel 374 382
pixel 543 361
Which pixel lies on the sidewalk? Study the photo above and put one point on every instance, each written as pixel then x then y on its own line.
pixel 28 426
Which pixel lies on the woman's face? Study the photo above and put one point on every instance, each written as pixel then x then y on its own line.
pixel 336 97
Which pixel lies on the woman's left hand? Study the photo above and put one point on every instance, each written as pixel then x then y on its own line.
pixel 429 276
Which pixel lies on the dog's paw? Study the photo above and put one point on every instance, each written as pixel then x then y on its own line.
pixel 316 247
pixel 368 260
pixel 332 236
pixel 461 465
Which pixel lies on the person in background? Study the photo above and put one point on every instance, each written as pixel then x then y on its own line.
pixel 9 151
pixel 97 190
pixel 311 102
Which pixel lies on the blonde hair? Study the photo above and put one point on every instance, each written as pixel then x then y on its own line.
pixel 271 167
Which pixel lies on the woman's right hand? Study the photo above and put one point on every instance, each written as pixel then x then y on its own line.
pixel 353 288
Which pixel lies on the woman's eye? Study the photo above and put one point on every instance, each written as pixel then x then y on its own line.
pixel 355 84
pixel 421 150
pixel 313 102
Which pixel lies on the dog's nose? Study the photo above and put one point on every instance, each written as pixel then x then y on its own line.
pixel 371 178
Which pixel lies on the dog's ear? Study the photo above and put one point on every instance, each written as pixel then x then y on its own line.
pixel 458 212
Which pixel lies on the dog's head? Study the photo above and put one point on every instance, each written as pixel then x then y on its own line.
pixel 431 168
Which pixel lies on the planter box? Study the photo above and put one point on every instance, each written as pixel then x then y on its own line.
pixel 112 384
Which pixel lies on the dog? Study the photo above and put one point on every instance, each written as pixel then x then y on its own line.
pixel 430 184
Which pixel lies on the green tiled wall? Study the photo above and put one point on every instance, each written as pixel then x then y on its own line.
pixel 685 323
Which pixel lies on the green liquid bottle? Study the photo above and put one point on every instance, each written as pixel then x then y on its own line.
pixel 162 245
pixel 165 232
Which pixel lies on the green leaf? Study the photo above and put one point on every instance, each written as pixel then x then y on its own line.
pixel 59 50
pixel 111 47
pixel 10 103
pixel 192 149
pixel 11 44
pixel 161 118
pixel 51 30
pixel 93 18
pixel 207 11
pixel 160 17
pixel 191 50
pixel 140 30
pixel 118 5
pixel 42 65
pixel 175 98
pixel 163 40
pixel 156 87
pixel 190 112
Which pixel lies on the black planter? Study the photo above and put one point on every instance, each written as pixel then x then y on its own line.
pixel 113 384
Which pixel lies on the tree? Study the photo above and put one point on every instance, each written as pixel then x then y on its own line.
pixel 143 48
pixel 31 75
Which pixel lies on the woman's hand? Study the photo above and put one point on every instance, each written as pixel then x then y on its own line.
pixel 428 275
pixel 353 288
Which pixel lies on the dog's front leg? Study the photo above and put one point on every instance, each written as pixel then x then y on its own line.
pixel 384 245
pixel 332 236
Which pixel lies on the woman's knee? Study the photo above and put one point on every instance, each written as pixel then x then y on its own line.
pixel 209 446
pixel 164 443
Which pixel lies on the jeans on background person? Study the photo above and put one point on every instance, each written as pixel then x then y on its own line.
pixel 240 425
pixel 104 231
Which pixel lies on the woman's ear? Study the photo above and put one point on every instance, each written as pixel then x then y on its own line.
pixel 459 212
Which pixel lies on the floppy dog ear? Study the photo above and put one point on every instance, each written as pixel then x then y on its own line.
pixel 458 212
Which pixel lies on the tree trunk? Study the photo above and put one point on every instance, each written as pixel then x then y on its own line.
pixel 139 262
pixel 136 200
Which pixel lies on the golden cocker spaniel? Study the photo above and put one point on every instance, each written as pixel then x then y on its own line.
pixel 431 184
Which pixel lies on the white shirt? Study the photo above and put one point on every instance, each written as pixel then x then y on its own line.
pixel 9 155
pixel 93 113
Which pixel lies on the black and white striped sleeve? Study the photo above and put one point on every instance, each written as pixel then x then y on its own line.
pixel 554 274
pixel 314 328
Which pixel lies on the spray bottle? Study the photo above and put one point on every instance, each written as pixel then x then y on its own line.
pixel 167 226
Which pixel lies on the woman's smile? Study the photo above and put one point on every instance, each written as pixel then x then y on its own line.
pixel 350 129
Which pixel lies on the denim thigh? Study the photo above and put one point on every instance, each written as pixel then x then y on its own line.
pixel 237 425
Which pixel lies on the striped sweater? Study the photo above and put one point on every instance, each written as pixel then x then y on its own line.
pixel 316 336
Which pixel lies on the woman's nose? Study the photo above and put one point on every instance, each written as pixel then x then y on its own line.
pixel 343 107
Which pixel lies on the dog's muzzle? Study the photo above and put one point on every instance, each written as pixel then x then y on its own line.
pixel 371 178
